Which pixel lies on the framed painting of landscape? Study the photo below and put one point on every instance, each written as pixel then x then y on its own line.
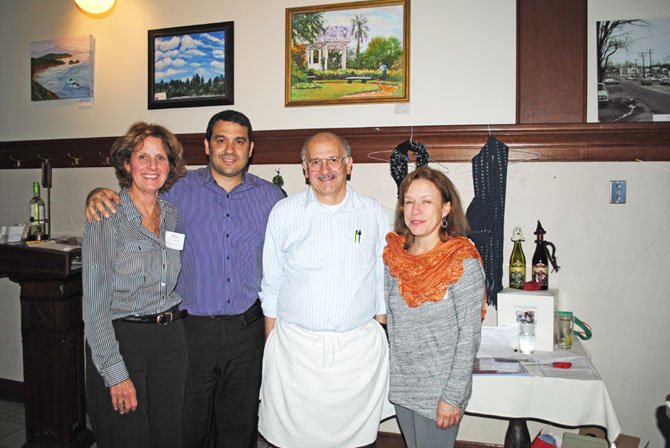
pixel 61 69
pixel 191 66
pixel 347 53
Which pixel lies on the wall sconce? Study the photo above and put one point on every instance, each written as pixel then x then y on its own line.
pixel 95 6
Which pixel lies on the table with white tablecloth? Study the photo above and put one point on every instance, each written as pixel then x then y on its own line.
pixel 573 397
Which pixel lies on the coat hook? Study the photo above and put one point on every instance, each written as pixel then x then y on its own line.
pixel 76 159
pixel 44 159
pixel 17 163
pixel 105 159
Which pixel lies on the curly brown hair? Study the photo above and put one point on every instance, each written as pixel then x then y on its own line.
pixel 457 223
pixel 124 146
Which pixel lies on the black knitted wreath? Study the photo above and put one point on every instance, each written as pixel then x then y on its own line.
pixel 400 159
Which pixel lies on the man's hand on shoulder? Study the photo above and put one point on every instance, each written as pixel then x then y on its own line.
pixel 101 201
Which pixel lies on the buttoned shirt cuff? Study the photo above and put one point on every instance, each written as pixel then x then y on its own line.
pixel 115 374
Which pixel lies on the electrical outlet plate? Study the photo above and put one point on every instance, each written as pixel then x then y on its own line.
pixel 617 192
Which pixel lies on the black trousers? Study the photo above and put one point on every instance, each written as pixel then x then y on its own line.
pixel 222 388
pixel 157 359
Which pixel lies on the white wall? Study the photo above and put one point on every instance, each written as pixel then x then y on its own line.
pixel 613 257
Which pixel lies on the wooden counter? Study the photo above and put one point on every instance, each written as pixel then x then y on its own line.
pixel 53 343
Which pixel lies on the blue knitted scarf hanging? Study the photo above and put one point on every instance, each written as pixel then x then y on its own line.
pixel 486 212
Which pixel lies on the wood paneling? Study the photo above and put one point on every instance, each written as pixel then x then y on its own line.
pixel 543 142
pixel 551 61
pixel 395 440
pixel 11 390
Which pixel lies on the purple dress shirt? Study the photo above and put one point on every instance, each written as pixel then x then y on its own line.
pixel 221 264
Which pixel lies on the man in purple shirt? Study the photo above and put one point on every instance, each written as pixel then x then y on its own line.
pixel 223 211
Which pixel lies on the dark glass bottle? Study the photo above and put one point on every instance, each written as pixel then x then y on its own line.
pixel 540 259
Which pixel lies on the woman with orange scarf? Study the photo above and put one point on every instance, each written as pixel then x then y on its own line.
pixel 435 291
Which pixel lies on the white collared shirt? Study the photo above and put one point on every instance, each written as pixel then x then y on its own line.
pixel 323 269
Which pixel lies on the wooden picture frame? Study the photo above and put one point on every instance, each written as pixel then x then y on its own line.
pixel 347 53
pixel 191 66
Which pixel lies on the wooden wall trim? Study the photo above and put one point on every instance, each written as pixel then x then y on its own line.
pixel 551 61
pixel 11 390
pixel 453 143
pixel 395 440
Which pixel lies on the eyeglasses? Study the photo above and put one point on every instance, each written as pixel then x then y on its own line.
pixel 332 162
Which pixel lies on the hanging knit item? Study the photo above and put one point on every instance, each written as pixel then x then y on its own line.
pixel 486 212
pixel 400 159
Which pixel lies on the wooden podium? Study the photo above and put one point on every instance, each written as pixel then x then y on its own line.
pixel 53 343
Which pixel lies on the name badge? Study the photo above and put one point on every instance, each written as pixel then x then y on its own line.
pixel 174 240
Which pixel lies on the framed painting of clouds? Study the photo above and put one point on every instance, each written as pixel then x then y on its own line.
pixel 191 66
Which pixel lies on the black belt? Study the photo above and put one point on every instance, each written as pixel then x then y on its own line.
pixel 251 315
pixel 164 318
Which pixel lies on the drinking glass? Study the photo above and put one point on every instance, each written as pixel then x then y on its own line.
pixel 526 337
pixel 565 323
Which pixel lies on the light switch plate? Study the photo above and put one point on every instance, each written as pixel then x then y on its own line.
pixel 617 192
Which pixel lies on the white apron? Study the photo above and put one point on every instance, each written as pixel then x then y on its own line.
pixel 324 389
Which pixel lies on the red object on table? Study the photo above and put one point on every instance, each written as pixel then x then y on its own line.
pixel 532 286
pixel 539 443
pixel 561 364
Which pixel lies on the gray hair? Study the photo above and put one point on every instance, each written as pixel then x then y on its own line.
pixel 342 141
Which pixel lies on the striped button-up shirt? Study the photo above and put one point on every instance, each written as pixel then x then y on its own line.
pixel 127 270
pixel 222 257
pixel 322 267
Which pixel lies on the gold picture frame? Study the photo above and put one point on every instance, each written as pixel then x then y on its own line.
pixel 347 53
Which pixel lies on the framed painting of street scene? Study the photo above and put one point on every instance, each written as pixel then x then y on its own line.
pixel 633 59
pixel 191 66
pixel 347 53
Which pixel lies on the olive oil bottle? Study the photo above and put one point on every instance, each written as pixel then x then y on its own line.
pixel 517 261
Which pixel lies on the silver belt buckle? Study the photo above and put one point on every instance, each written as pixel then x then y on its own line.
pixel 164 318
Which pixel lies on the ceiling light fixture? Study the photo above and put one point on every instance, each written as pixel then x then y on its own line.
pixel 95 6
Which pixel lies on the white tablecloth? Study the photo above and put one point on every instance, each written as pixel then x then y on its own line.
pixel 570 397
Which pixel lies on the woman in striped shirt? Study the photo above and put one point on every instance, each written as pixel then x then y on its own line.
pixel 136 346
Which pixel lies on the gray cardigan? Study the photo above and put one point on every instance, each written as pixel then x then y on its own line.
pixel 433 346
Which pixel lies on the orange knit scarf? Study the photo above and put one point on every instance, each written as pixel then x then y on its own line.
pixel 427 277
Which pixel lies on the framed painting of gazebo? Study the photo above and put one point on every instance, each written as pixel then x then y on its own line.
pixel 347 53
